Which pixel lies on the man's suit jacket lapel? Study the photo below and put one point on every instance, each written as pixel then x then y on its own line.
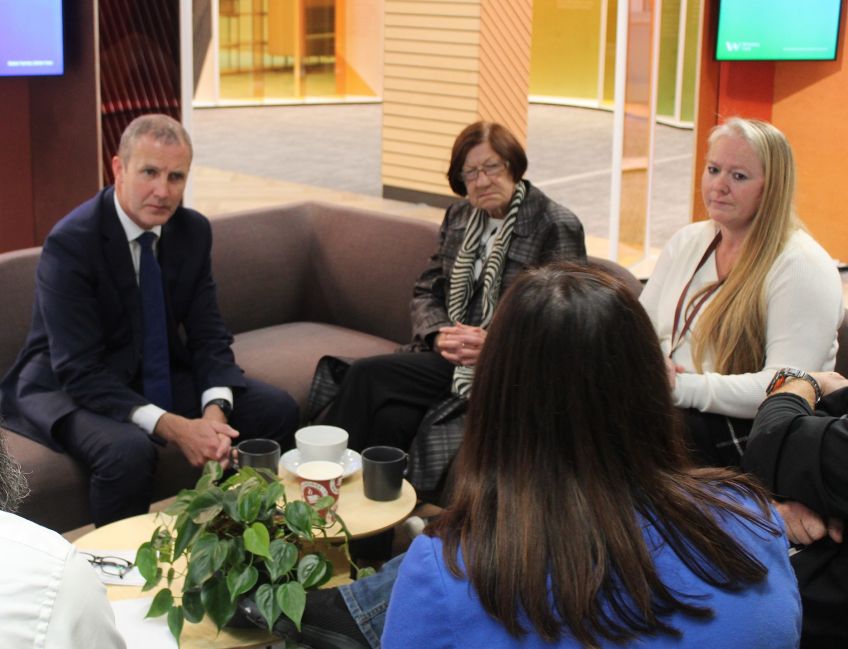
pixel 172 251
pixel 117 252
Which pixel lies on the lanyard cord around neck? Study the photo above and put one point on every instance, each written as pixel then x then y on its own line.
pixel 695 307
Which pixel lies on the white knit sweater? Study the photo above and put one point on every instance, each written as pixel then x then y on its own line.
pixel 804 310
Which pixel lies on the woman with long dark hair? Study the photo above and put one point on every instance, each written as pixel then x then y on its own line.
pixel 576 517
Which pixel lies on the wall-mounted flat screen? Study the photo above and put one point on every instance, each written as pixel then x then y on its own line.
pixel 31 41
pixel 778 30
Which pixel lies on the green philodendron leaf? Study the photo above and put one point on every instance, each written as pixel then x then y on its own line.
pixel 249 504
pixel 161 537
pixel 273 493
pixel 299 519
pixel 161 604
pixel 219 554
pixel 365 572
pixel 311 571
pixel 283 558
pixel 175 622
pixel 328 573
pixel 213 469
pixel 236 551
pixel 206 506
pixel 180 503
pixel 267 604
pixel 240 477
pixel 216 600
pixel 241 580
pixel 270 477
pixel 201 564
pixel 147 561
pixel 165 555
pixel 291 598
pixel 257 540
pixel 323 502
pixel 231 504
pixel 186 533
pixel 193 610
pixel 150 584
pixel 204 482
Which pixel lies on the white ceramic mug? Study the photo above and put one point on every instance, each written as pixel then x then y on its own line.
pixel 325 443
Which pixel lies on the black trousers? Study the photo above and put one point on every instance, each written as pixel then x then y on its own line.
pixel 715 440
pixel 383 399
pixel 122 457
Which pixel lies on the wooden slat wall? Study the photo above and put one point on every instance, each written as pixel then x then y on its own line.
pixel 505 63
pixel 446 65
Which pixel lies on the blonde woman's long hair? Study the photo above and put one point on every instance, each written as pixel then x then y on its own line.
pixel 732 327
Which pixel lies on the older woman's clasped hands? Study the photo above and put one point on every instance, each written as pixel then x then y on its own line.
pixel 460 344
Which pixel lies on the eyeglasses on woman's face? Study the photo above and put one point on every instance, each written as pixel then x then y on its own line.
pixel 490 169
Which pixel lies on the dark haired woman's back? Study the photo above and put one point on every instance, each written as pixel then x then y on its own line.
pixel 432 608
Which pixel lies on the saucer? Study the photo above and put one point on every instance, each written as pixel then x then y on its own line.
pixel 351 461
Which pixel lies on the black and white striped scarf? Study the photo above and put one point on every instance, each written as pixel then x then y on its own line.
pixel 462 276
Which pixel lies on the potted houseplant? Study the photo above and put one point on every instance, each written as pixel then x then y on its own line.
pixel 237 536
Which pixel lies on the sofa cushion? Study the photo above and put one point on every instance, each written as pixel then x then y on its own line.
pixel 363 266
pixel 260 261
pixel 286 355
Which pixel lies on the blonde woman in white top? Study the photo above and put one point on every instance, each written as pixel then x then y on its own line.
pixel 736 298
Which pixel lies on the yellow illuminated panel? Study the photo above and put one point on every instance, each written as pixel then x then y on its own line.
pixel 565 48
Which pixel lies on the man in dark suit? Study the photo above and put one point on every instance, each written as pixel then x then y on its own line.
pixel 126 349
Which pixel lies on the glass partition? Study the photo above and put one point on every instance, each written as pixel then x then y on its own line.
pixel 293 50
pixel 573 55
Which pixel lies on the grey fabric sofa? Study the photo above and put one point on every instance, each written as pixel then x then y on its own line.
pixel 294 283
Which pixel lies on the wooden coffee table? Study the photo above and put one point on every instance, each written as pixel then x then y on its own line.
pixel 362 516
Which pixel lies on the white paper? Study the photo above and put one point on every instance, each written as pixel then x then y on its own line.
pixel 140 632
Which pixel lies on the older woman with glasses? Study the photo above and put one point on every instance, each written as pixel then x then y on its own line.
pixel 503 226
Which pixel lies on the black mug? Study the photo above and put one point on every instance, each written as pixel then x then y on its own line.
pixel 383 468
pixel 258 453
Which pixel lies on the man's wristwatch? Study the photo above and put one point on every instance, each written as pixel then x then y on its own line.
pixel 225 406
pixel 791 373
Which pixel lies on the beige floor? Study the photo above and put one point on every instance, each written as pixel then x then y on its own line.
pixel 215 192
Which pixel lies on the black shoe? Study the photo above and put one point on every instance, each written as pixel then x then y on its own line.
pixel 326 624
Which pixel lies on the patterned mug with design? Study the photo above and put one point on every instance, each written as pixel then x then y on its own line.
pixel 319 479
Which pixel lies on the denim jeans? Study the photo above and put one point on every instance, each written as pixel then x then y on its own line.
pixel 368 599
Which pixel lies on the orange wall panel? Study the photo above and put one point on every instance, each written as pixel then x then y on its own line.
pixel 746 89
pixel 809 106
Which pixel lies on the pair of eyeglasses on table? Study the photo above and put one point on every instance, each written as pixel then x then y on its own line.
pixel 112 566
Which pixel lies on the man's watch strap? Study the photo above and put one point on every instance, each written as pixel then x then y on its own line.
pixel 225 406
pixel 790 372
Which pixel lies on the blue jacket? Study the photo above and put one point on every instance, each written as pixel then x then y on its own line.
pixel 431 608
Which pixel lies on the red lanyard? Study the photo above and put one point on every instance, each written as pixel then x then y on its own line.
pixel 693 309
